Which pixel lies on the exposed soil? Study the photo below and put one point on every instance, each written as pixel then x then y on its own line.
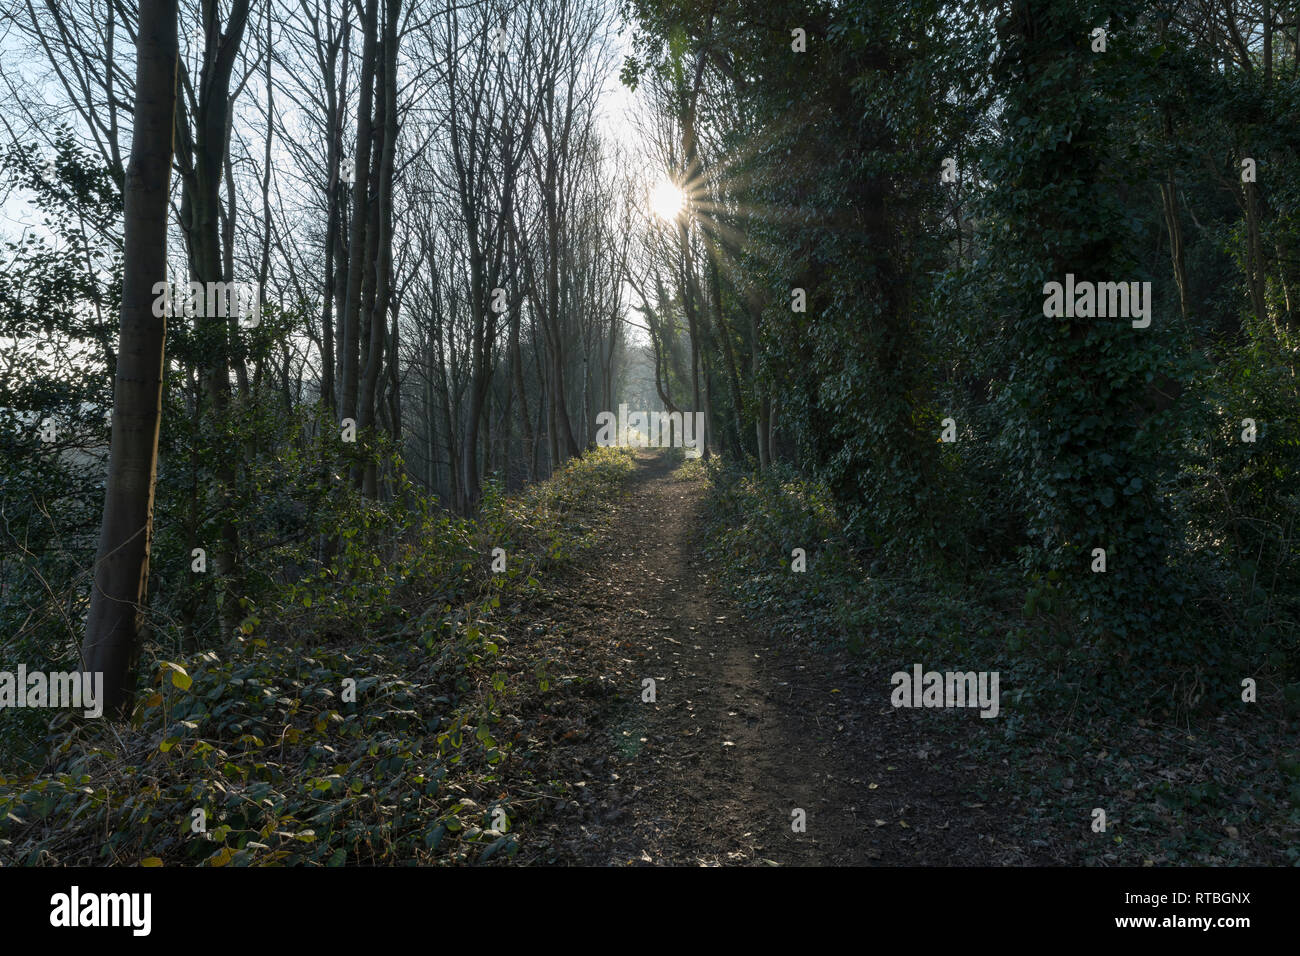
pixel 747 726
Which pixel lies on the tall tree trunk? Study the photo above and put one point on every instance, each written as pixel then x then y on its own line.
pixel 762 394
pixel 117 599
pixel 517 378
pixel 338 278
pixel 1169 196
pixel 733 377
pixel 351 317
pixel 537 430
pixel 394 383
pixel 381 248
pixel 211 262
pixel 334 156
pixel 1255 266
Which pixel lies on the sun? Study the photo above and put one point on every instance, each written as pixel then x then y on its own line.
pixel 666 200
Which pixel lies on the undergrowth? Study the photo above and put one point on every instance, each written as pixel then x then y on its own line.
pixel 1217 782
pixel 356 717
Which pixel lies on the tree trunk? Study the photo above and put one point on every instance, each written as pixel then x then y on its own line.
pixel 382 218
pixel 351 317
pixel 117 599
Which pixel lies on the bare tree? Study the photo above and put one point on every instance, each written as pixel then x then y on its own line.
pixel 122 566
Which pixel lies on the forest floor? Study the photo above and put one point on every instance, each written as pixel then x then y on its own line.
pixel 747 725
pixel 504 718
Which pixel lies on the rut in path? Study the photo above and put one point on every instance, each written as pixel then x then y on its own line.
pixel 747 726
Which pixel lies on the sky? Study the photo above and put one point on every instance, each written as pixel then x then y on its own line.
pixel 617 108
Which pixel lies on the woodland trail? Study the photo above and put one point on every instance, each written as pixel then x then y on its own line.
pixel 746 726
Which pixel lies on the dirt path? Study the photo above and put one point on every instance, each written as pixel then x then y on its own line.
pixel 746 728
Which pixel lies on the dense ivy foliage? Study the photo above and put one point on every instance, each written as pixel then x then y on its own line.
pixel 1054 739
pixel 1092 460
pixel 923 171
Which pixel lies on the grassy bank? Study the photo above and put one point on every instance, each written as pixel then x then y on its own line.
pixel 357 717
